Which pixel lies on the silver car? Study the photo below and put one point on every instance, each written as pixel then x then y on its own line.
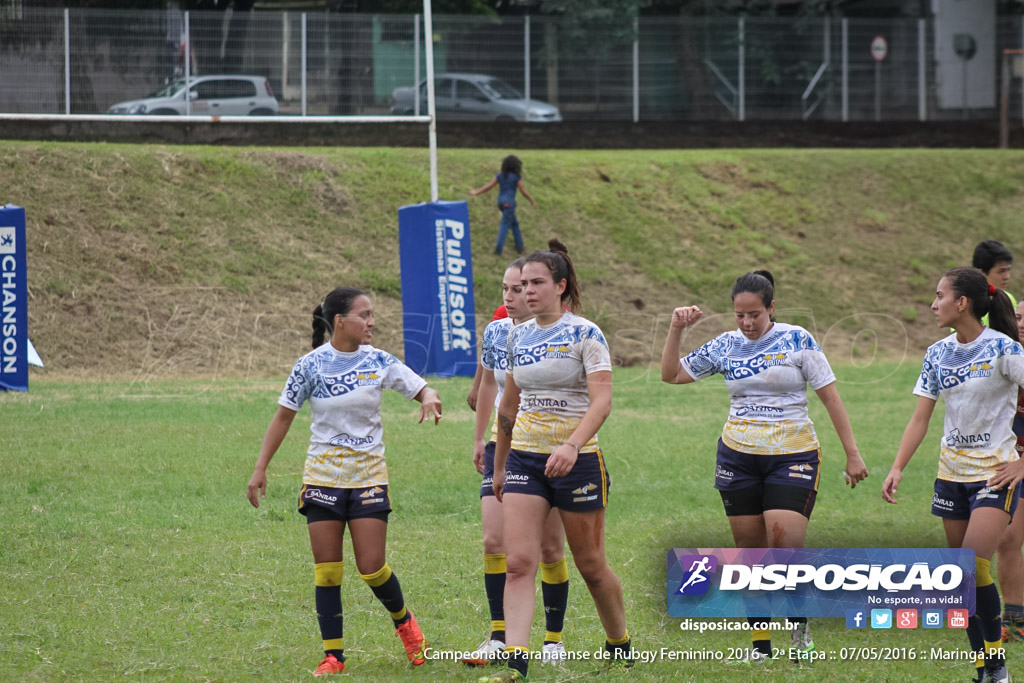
pixel 474 97
pixel 214 95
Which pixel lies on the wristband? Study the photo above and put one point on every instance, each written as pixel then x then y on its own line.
pixel 570 443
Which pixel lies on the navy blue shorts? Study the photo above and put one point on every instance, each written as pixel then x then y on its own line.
pixel 735 470
pixel 320 503
pixel 956 499
pixel 487 485
pixel 585 488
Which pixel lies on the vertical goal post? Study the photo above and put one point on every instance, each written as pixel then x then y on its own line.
pixel 1009 57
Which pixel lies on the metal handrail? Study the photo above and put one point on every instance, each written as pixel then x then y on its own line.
pixel 805 110
pixel 716 72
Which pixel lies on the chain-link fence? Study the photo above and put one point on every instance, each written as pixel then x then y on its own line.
pixel 664 68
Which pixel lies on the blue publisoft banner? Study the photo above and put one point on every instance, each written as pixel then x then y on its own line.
pixel 13 300
pixel 437 289
pixel 817 582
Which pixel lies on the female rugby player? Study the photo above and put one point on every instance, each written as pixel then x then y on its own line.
pixel 768 458
pixel 554 573
pixel 977 371
pixel 558 393
pixel 345 480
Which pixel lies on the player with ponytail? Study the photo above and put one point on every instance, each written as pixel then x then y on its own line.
pixel 978 371
pixel 768 459
pixel 345 479
pixel 558 393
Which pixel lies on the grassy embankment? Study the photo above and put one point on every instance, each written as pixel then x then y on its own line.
pixel 197 261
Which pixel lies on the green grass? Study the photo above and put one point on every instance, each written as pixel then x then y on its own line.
pixel 203 261
pixel 128 548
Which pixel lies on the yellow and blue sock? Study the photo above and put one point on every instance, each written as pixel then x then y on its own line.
pixel 519 659
pixel 987 612
pixel 328 577
pixel 385 586
pixel 760 636
pixel 619 648
pixel 554 586
pixel 494 585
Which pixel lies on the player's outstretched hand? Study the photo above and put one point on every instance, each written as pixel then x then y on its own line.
pixel 478 456
pixel 892 482
pixel 856 471
pixel 430 404
pixel 257 487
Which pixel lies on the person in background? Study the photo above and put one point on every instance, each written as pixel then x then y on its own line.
pixel 509 180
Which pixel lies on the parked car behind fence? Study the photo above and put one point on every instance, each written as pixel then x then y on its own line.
pixel 212 95
pixel 473 97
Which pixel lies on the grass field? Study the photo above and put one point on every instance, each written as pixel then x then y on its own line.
pixel 127 547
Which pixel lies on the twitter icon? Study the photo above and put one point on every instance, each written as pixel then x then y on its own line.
pixel 881 618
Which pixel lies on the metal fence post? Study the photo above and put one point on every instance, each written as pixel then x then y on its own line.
pixel 285 49
pixel 416 63
pixel 67 61
pixel 922 108
pixel 636 70
pixel 846 71
pixel 526 55
pixel 742 80
pixel 188 67
pixel 303 63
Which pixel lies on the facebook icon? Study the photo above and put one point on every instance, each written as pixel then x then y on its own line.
pixel 856 618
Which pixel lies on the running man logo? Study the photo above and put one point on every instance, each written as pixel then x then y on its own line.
pixel 696 580
pixel 8 244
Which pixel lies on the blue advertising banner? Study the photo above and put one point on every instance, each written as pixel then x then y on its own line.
pixel 817 582
pixel 13 300
pixel 437 289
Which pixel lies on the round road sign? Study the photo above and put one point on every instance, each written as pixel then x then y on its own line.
pixel 879 48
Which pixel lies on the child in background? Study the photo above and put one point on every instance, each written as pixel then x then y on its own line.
pixel 509 180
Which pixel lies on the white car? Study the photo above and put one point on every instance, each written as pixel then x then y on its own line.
pixel 474 97
pixel 214 95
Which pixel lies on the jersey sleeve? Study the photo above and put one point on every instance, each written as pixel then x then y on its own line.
pixel 1011 363
pixel 928 381
pixel 812 361
pixel 299 386
pixel 510 346
pixel 707 360
pixel 400 378
pixel 594 351
pixel 487 351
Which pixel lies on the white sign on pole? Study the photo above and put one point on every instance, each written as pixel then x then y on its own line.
pixel 879 48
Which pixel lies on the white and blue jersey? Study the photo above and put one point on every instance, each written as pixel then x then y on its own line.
pixel 767 379
pixel 493 357
pixel 550 364
pixel 978 382
pixel 346 448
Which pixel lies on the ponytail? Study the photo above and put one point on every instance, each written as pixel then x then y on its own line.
pixel 320 326
pixel 1001 316
pixel 338 302
pixel 984 299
